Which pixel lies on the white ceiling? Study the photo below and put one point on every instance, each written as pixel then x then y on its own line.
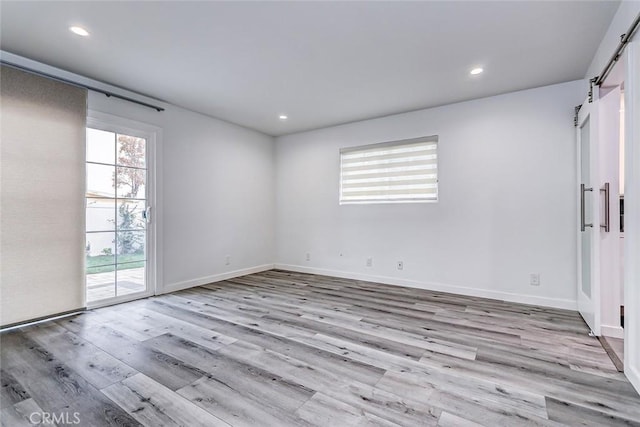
pixel 321 63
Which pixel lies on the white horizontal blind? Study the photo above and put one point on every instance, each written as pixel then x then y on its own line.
pixel 399 171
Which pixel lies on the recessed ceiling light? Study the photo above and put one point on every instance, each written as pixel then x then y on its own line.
pixel 79 31
pixel 476 71
pixel 283 117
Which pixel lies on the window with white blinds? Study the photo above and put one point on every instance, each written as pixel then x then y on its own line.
pixel 390 172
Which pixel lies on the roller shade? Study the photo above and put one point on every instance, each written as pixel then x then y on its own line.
pixel 399 171
pixel 42 128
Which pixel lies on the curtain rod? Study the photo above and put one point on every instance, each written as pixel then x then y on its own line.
pixel 624 40
pixel 76 84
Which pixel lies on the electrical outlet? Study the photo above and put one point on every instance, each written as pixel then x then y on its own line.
pixel 534 279
pixel 227 260
pixel 308 258
pixel 369 262
pixel 400 265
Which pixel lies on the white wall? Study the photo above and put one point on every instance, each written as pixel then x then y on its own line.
pixel 217 190
pixel 218 198
pixel 506 208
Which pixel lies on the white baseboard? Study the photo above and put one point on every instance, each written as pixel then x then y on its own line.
pixel 612 331
pixel 173 287
pixel 566 304
pixel 431 286
pixel 633 375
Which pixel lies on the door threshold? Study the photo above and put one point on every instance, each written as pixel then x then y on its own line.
pixel 615 350
pixel 118 300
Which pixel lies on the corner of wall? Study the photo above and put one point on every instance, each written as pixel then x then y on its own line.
pixel 178 286
pixel 559 303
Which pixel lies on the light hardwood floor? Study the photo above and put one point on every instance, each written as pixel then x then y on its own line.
pixel 289 349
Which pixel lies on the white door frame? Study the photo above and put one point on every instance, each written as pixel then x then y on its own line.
pixel 152 135
pixel 609 172
pixel 632 216
pixel 589 306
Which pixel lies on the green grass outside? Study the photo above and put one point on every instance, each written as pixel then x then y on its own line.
pixel 96 264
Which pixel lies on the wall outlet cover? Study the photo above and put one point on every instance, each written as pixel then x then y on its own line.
pixel 534 279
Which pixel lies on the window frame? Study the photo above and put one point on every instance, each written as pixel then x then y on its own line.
pixel 386 144
pixel 152 135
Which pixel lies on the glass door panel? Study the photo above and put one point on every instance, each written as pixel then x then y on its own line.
pixel 130 183
pixel 100 180
pixel 101 147
pixel 131 151
pixel 116 208
pixel 100 265
pixel 101 214
pixel 588 244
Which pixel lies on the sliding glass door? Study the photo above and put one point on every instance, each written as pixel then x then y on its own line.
pixel 118 216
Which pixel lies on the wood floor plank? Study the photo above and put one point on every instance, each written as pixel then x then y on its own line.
pixel 342 366
pixel 491 395
pixel 377 402
pixel 538 382
pixel 205 337
pixel 12 391
pixel 407 338
pixel 571 414
pixel 168 371
pixel 597 370
pixel 21 414
pixel 235 407
pixel 99 368
pixel 293 349
pixel 323 410
pixel 557 373
pixel 409 379
pixel 287 394
pixel 367 339
pixel 260 385
pixel 153 404
pixel 450 420
pixel 487 413
pixel 55 387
